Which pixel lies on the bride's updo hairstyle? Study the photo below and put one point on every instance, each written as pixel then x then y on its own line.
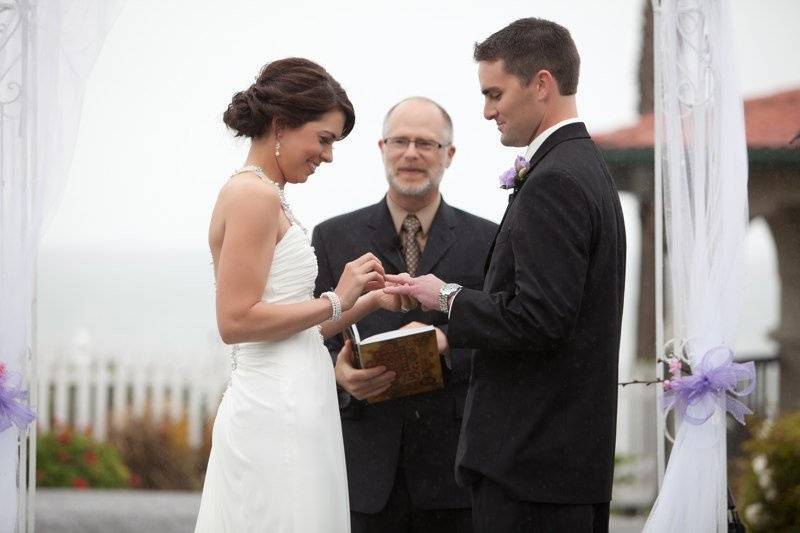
pixel 293 91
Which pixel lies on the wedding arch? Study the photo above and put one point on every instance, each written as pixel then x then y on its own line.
pixel 701 211
pixel 47 50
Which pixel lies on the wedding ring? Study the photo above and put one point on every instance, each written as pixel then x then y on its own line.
pixel 404 309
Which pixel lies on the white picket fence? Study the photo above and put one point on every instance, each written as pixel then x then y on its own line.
pixel 84 390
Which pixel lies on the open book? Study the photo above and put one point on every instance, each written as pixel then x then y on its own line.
pixel 411 353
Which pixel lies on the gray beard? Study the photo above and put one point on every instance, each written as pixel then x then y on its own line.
pixel 413 190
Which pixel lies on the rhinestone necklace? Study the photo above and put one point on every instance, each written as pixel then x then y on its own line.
pixel 258 171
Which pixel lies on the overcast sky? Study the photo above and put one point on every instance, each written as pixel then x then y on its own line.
pixel 152 151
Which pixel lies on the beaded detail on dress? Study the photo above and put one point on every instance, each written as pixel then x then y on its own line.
pixel 258 171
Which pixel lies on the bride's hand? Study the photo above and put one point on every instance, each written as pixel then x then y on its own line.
pixel 393 302
pixel 359 276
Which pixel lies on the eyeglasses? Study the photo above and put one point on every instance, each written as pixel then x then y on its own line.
pixel 400 144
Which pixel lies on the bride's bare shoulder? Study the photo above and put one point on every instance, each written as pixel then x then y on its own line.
pixel 245 193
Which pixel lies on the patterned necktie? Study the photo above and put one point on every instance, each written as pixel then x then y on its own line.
pixel 411 226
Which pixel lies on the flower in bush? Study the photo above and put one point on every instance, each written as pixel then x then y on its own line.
pixel 135 480
pixel 75 460
pixel 90 458
pixel 65 437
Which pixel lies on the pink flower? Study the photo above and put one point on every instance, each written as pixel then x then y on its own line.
pixel 65 437
pixel 2 369
pixel 90 458
pixel 674 366
pixel 667 384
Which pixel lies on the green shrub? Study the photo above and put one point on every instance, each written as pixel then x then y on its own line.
pixel 67 459
pixel 769 484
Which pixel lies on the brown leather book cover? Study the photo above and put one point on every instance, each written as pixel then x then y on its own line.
pixel 411 353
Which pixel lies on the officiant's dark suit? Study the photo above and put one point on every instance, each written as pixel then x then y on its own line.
pixel 401 453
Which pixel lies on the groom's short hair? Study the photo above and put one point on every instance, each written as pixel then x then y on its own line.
pixel 529 45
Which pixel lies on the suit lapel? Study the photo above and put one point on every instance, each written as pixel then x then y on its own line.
pixel 384 237
pixel 441 236
pixel 575 130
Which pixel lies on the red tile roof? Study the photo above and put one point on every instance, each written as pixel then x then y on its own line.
pixel 770 122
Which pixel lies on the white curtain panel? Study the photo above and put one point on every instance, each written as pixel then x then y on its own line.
pixel 703 159
pixel 47 50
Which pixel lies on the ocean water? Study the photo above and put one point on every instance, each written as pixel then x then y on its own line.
pixel 132 304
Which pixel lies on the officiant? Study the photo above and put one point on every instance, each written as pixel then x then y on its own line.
pixel 401 453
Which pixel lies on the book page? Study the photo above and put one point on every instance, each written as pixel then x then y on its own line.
pixel 351 333
pixel 396 334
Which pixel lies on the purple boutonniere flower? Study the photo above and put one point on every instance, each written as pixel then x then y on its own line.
pixel 514 176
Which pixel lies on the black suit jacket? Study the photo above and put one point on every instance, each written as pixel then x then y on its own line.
pixel 420 432
pixel 540 417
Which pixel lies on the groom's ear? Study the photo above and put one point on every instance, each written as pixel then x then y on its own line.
pixel 543 84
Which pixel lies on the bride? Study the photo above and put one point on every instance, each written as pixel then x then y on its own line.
pixel 277 458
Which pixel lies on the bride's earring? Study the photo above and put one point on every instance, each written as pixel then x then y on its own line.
pixel 277 149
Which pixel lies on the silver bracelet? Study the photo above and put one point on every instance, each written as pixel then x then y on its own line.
pixel 336 304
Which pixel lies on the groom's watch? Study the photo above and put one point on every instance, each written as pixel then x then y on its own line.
pixel 447 290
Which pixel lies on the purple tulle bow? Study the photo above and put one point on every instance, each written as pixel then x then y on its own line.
pixel 721 380
pixel 509 178
pixel 13 407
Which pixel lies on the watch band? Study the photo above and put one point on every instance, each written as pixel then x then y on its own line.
pixel 444 295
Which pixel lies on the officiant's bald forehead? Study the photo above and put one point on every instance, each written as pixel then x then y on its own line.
pixel 447 122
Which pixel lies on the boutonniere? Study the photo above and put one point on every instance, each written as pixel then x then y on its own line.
pixel 515 176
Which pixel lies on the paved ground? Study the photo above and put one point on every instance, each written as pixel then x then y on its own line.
pixel 126 511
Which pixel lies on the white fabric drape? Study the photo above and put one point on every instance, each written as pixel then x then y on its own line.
pixel 703 162
pixel 47 50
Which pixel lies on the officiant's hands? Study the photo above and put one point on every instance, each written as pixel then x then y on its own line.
pixel 359 276
pixel 441 338
pixel 361 383
pixel 424 289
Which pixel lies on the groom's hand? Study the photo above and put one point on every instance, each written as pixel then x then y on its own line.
pixel 361 383
pixel 425 289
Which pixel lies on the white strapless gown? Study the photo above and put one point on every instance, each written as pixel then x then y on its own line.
pixel 277 457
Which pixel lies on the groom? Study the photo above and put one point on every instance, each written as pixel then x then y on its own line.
pixel 537 441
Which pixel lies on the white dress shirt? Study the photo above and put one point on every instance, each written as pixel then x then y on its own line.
pixel 539 140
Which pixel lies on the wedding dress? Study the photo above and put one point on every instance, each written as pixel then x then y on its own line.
pixel 277 457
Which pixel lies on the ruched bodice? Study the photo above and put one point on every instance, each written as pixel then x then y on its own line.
pixel 294 269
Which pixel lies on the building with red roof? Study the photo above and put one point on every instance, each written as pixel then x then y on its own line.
pixel 772 127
